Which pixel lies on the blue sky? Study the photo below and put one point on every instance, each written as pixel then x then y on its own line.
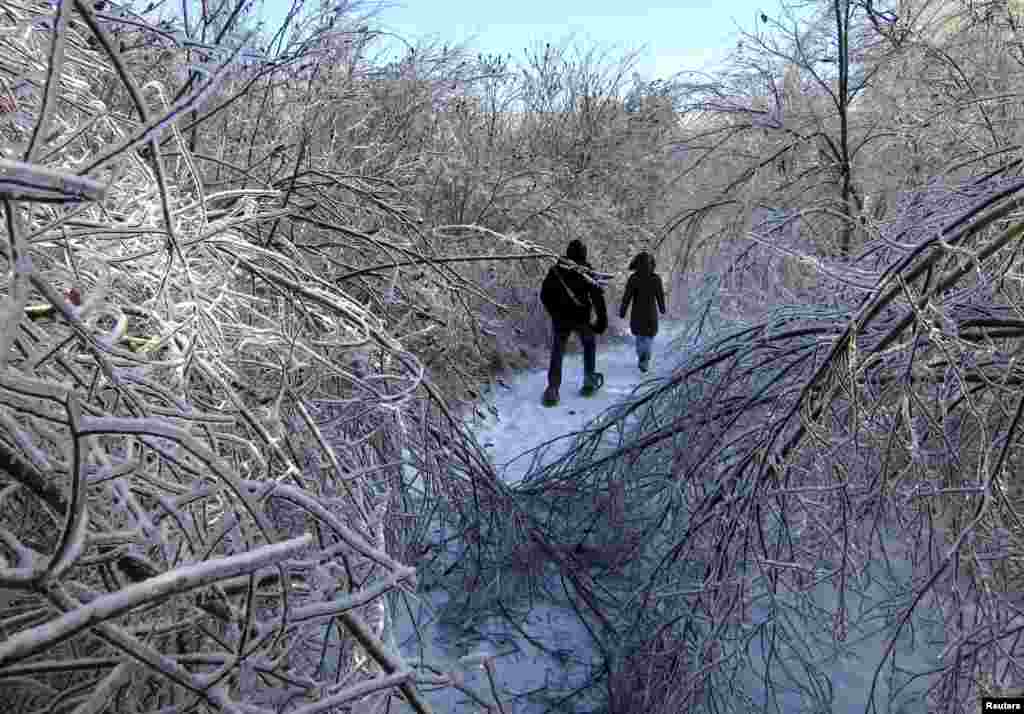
pixel 674 36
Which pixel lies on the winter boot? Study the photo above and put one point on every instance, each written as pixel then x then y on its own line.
pixel 592 383
pixel 550 398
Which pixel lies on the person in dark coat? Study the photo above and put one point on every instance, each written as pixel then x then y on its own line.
pixel 569 298
pixel 647 295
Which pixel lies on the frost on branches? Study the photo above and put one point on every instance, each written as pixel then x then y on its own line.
pixel 197 511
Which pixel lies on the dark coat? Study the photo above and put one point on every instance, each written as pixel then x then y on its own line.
pixel 569 297
pixel 645 291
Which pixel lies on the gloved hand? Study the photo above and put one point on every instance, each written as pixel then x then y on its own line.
pixel 601 325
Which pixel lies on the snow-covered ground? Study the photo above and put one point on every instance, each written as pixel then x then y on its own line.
pixel 521 423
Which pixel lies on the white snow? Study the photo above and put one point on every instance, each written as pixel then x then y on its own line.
pixel 521 424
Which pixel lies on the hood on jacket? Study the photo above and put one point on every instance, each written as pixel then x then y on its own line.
pixel 643 263
pixel 576 251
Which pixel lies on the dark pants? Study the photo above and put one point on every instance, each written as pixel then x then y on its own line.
pixel 558 343
pixel 643 347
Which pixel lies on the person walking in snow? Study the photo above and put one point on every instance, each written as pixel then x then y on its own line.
pixel 569 296
pixel 647 295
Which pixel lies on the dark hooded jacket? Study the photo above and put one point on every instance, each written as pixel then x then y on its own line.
pixel 569 297
pixel 645 291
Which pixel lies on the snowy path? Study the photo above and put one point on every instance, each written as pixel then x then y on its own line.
pixel 521 424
